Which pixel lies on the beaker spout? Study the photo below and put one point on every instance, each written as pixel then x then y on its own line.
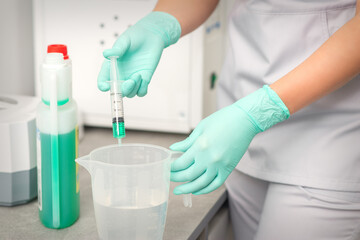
pixel 84 161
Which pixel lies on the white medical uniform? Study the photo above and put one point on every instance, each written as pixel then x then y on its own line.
pixel 317 147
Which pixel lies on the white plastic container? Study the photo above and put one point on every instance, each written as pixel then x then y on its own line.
pixel 18 149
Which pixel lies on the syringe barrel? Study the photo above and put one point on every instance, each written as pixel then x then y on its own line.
pixel 117 110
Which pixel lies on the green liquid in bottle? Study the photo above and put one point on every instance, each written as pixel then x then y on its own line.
pixel 68 177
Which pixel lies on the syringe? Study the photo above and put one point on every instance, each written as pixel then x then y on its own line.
pixel 117 110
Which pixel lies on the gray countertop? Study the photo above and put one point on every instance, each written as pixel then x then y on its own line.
pixel 22 222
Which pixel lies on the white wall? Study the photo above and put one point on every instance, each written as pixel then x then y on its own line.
pixel 16 47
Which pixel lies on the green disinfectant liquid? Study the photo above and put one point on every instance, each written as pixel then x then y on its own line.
pixel 68 176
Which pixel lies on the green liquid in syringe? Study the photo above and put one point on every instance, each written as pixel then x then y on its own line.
pixel 118 128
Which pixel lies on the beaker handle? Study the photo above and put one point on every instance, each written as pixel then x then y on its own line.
pixel 175 155
pixel 187 201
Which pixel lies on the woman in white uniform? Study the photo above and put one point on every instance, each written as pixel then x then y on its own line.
pixel 288 128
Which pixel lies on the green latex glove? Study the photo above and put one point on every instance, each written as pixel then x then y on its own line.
pixel 139 50
pixel 219 141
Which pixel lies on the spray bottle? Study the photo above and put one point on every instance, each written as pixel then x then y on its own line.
pixel 57 134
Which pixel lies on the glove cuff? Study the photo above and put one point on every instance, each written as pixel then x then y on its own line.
pixel 163 24
pixel 264 107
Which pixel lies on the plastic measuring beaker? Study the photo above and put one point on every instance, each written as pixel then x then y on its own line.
pixel 130 184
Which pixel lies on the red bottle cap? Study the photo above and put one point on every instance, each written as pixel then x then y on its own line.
pixel 58 48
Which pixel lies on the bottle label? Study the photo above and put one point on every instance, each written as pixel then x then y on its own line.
pixel 38 158
pixel 76 156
